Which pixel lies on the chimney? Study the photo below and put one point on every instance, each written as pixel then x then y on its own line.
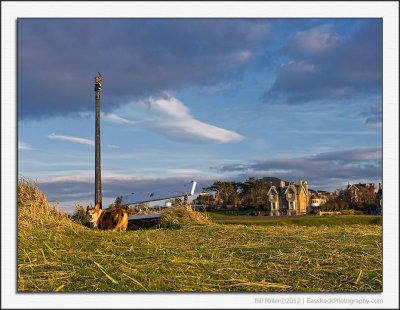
pixel 282 184
pixel 380 185
pixel 306 185
pixel 300 182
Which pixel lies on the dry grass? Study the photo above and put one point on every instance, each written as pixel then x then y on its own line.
pixel 57 254
pixel 177 217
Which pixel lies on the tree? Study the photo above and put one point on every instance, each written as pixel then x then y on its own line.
pixel 254 193
pixel 205 199
pixel 367 195
pixel 361 198
pixel 335 204
pixel 116 204
pixel 225 193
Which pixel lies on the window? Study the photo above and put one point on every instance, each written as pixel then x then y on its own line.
pixel 290 195
pixel 291 205
pixel 272 196
pixel 273 205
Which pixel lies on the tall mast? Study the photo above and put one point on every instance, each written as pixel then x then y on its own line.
pixel 97 87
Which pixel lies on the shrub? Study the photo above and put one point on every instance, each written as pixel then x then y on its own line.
pixel 347 212
pixel 80 217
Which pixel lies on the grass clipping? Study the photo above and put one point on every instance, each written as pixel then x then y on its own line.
pixel 177 217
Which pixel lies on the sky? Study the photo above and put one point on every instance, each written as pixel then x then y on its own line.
pixel 198 99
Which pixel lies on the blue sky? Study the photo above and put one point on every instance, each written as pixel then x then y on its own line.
pixel 198 99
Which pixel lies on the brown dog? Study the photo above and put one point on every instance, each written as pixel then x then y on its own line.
pixel 107 220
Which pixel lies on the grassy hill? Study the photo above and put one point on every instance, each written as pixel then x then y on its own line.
pixel 58 254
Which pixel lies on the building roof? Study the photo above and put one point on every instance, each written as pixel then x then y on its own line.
pixel 359 185
pixel 316 196
pixel 272 188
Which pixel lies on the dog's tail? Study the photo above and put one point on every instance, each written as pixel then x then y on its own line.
pixel 122 220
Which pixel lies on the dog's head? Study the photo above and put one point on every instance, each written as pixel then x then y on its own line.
pixel 93 214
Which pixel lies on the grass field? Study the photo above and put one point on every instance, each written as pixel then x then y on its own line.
pixel 305 221
pixel 57 254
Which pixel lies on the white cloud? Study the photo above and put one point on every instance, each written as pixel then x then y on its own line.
pixel 317 40
pixel 112 146
pixel 71 139
pixel 24 146
pixel 112 118
pixel 173 121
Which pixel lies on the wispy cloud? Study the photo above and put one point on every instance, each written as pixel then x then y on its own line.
pixel 112 118
pixel 242 57
pixel 71 139
pixel 24 146
pixel 112 146
pixel 170 118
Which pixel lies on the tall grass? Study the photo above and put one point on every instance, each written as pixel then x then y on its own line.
pixel 34 208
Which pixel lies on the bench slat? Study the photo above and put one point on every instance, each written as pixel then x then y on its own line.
pixel 144 217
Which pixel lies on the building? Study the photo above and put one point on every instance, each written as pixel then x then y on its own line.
pixel 317 200
pixel 357 190
pixel 289 199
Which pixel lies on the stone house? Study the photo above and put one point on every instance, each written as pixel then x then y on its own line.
pixel 289 199
pixel 355 190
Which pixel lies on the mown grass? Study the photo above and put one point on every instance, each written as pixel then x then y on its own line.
pixel 224 214
pixel 57 254
pixel 311 221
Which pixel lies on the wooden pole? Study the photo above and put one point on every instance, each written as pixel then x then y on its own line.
pixel 97 87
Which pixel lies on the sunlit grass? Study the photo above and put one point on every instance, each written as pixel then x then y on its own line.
pixel 57 254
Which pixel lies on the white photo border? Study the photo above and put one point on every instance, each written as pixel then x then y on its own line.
pixel 388 10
